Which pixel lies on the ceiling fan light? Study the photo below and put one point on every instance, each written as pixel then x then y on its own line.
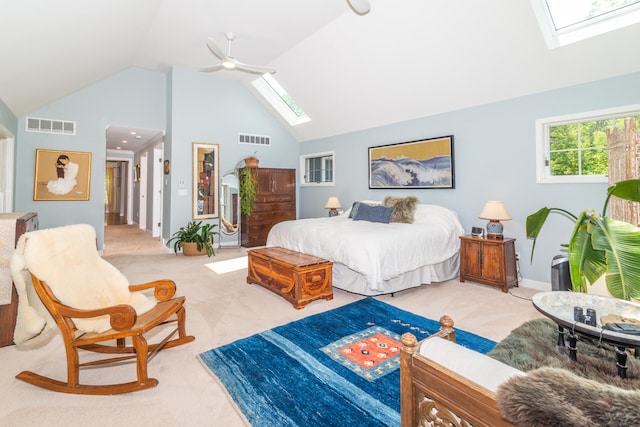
pixel 228 65
pixel 361 7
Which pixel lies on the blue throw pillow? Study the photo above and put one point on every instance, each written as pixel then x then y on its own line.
pixel 373 213
pixel 354 210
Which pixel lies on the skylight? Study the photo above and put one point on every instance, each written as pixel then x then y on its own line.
pixel 280 99
pixel 564 22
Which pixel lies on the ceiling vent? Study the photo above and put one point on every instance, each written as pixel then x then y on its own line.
pixel 246 138
pixel 50 126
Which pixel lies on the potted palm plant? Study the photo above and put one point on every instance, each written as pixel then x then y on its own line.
pixel 194 239
pixel 600 244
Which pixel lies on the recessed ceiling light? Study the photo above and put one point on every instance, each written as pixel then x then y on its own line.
pixel 133 132
pixel 138 137
pixel 124 141
pixel 118 148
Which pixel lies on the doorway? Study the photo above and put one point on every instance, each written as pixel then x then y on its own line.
pixel 7 144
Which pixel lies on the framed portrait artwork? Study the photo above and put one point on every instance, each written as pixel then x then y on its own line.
pixel 427 163
pixel 62 175
pixel 205 180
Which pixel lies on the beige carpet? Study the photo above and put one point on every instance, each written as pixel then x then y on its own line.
pixel 220 308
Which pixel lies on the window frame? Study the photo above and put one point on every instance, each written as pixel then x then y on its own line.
pixel 275 99
pixel 543 149
pixel 596 26
pixel 303 169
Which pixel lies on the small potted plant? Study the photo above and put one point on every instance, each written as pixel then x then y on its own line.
pixel 194 239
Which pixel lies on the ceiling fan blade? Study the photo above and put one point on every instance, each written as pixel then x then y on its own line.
pixel 211 69
pixel 254 68
pixel 213 47
pixel 361 7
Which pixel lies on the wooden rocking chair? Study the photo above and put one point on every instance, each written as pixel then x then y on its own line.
pixel 124 338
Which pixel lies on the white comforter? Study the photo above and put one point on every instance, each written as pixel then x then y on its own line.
pixel 377 251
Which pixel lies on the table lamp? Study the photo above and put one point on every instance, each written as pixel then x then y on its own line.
pixel 495 212
pixel 333 204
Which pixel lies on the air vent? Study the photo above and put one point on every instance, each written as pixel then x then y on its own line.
pixel 246 138
pixel 50 126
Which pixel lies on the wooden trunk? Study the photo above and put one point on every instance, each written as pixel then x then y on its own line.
pixel 8 312
pixel 297 277
pixel 275 202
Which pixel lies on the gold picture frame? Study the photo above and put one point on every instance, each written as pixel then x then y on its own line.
pixel 206 182
pixel 62 175
pixel 426 163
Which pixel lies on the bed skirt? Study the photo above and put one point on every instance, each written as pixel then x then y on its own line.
pixel 350 280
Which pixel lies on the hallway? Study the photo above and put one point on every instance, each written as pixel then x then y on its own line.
pixel 129 239
pixel 114 219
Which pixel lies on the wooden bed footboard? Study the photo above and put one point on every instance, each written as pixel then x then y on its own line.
pixel 432 395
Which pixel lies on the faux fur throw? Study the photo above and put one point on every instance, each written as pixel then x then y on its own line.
pixel 556 397
pixel 67 260
pixel 560 392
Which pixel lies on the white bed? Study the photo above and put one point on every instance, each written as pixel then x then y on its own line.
pixel 371 258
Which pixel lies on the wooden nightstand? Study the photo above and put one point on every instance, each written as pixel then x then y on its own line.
pixel 488 261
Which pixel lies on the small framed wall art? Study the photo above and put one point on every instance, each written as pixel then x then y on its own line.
pixel 427 163
pixel 62 175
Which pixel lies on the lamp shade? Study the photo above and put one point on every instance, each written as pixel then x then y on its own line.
pixel 333 203
pixel 494 210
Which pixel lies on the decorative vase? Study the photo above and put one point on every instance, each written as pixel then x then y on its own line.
pixel 191 249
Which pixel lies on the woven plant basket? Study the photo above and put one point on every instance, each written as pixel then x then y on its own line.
pixel 191 249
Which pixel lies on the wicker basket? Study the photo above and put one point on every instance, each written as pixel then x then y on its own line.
pixel 191 249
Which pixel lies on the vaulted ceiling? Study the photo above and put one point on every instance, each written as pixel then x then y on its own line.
pixel 403 60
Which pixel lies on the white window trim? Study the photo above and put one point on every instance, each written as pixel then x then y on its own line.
pixel 303 170
pixel 277 103
pixel 575 33
pixel 543 175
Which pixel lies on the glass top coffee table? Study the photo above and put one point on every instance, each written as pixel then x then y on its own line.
pixel 559 307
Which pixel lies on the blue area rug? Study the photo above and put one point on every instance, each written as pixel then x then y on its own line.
pixel 340 367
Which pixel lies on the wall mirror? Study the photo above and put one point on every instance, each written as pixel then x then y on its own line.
pixel 230 205
pixel 205 180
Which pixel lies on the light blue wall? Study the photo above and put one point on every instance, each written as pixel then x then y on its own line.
pixel 494 160
pixel 133 97
pixel 207 108
pixel 7 119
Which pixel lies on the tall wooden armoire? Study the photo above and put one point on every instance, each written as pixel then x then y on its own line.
pixel 275 202
pixel 12 226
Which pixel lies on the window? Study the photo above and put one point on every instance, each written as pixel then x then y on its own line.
pixel 575 148
pixel 271 90
pixel 317 169
pixel 563 22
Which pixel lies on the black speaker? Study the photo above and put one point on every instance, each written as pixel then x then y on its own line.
pixel 560 275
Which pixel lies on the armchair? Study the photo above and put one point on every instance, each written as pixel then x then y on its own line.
pixel 93 306
pixel 445 384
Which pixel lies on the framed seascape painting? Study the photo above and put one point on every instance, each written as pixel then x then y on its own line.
pixel 427 163
pixel 62 175
pixel 205 180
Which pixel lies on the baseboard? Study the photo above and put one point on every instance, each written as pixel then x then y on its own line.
pixel 534 284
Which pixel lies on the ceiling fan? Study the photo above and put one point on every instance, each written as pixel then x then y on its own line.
pixel 361 7
pixel 229 62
